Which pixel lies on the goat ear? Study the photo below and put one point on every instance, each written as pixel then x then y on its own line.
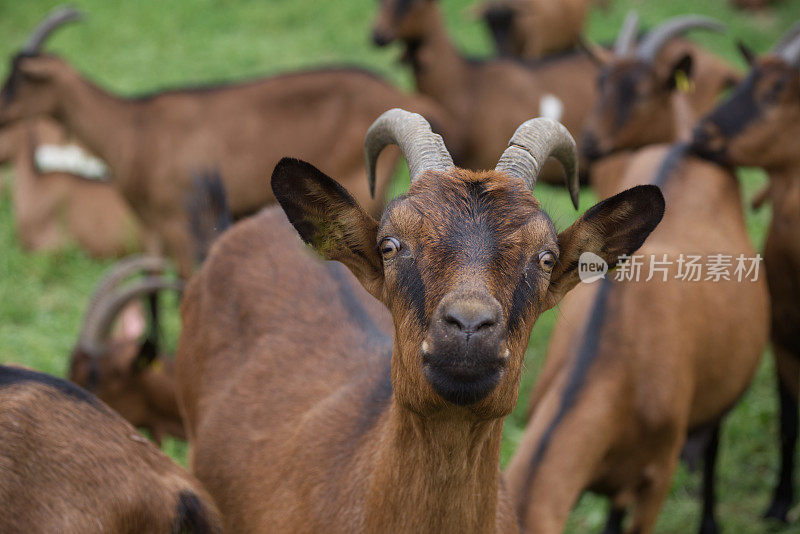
pixel 746 52
pixel 329 219
pixel 681 73
pixel 614 227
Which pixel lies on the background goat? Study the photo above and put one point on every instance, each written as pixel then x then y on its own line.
pixel 53 209
pixel 126 367
pixel 651 362
pixel 72 465
pixel 759 126
pixel 153 142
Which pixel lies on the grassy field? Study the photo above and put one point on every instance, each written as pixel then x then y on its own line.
pixel 131 47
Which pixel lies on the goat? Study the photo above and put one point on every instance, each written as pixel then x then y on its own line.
pixel 72 465
pixel 125 369
pixel 533 29
pixel 655 362
pixel 488 98
pixel 304 414
pixel 152 143
pixel 638 87
pixel 756 126
pixel 54 209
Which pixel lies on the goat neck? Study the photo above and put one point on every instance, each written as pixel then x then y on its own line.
pixel 103 122
pixel 421 457
pixel 439 69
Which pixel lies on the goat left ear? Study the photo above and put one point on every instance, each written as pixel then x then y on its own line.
pixel 615 227
pixel 330 220
pixel 680 73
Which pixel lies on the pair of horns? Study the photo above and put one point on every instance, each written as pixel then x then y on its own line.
pixel 57 18
pixel 109 298
pixel 788 46
pixel 533 142
pixel 654 41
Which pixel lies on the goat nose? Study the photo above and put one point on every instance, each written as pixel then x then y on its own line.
pixel 380 38
pixel 470 317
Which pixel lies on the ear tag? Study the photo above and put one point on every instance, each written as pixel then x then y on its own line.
pixel 683 83
pixel 157 366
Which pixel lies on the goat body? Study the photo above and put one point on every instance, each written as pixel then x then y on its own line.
pixel 153 144
pixel 72 465
pixel 54 209
pixel 670 358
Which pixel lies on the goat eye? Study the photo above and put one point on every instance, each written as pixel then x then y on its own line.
pixel 547 260
pixel 389 247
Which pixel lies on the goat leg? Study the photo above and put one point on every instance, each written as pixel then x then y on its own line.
pixel 788 374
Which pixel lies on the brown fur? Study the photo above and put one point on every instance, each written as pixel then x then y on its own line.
pixel 758 126
pixel 54 209
pixel 307 411
pixel 153 144
pixel 538 27
pixel 71 465
pixel 672 357
pixel 488 99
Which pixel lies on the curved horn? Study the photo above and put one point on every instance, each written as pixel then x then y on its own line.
pixel 627 34
pixel 423 149
pixel 535 141
pixel 113 278
pixel 51 22
pixel 97 331
pixel 655 40
pixel 787 38
pixel 789 46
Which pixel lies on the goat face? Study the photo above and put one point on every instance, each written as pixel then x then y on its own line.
pixel 760 121
pixel 30 90
pixel 633 107
pixel 465 262
pixel 115 378
pixel 400 19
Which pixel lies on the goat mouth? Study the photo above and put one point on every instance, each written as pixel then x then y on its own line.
pixel 462 382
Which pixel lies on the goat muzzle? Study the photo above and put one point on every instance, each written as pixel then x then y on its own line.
pixel 465 354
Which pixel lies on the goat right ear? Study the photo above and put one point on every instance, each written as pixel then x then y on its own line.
pixel 329 219
pixel 609 230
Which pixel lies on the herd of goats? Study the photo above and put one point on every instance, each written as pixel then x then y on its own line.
pixel 368 394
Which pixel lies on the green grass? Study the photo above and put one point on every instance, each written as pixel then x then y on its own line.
pixel 132 47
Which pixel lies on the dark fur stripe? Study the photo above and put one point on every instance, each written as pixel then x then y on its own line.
pixel 583 362
pixel 190 515
pixel 670 163
pixel 12 376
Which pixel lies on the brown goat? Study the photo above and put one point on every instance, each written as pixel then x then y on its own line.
pixel 54 209
pixel 655 361
pixel 488 98
pixel 71 465
pixel 533 29
pixel 637 87
pixel 756 126
pixel 154 143
pixel 125 369
pixel 304 415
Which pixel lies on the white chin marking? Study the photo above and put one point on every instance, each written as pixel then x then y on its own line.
pixel 424 346
pixel 71 159
pixel 551 107
pixel 506 354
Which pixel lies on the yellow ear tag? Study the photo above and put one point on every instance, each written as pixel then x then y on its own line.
pixel 683 83
pixel 157 366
